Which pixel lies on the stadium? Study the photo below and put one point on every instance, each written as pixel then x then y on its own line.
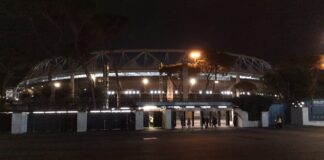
pixel 191 86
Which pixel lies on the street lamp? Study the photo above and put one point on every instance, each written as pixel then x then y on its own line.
pixel 195 55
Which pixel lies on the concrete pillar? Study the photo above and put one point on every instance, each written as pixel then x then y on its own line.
pixel 169 89
pixel 185 82
pixel 167 119
pixel 265 119
pixel 139 120
pixel 19 123
pixel 82 123
pixel 243 118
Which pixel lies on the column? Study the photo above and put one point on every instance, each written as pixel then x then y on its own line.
pixel 170 91
pixel 185 82
pixel 139 120
pixel 82 121
pixel 19 123
pixel 167 119
pixel 265 119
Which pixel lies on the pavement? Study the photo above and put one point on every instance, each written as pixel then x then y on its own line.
pixel 290 143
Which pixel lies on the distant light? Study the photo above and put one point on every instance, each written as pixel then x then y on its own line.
pixel 216 82
pixel 176 91
pixel 177 107
pixel 190 107
pixel 222 107
pixel 145 81
pixel 147 108
pixel 124 108
pixel 205 107
pixel 195 54
pixel 57 84
pixel 193 81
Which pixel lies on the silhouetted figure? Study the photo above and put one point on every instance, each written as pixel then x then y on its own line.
pixel 202 122
pixel 235 120
pixel 206 123
pixel 214 121
pixel 279 122
pixel 188 122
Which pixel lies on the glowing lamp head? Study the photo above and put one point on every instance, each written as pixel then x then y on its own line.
pixel 193 81
pixel 195 54
pixel 145 81
pixel 57 84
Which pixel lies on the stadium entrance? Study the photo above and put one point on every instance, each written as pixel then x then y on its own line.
pixel 204 118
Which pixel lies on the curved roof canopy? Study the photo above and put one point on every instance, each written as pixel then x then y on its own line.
pixel 147 60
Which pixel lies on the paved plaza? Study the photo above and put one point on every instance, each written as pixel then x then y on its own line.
pixel 290 143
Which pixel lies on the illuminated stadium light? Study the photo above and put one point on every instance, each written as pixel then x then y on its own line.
pixel 222 107
pixel 157 92
pixel 95 111
pixel 49 112
pixel 105 111
pixel 193 81
pixel 177 107
pixel 38 112
pixel 205 107
pixel 226 92
pixel 57 84
pixel 148 108
pixel 190 107
pixel 195 55
pixel 145 81
pixel 72 111
pixel 129 92
pixel 111 92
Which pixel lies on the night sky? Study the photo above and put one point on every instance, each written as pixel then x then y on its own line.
pixel 266 29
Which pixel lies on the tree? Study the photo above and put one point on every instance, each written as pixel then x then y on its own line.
pixel 254 105
pixel 291 84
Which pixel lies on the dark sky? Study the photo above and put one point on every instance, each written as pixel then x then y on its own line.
pixel 266 29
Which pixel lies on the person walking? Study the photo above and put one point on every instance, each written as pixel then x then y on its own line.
pixel 279 122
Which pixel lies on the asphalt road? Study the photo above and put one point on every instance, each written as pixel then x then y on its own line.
pixel 223 143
